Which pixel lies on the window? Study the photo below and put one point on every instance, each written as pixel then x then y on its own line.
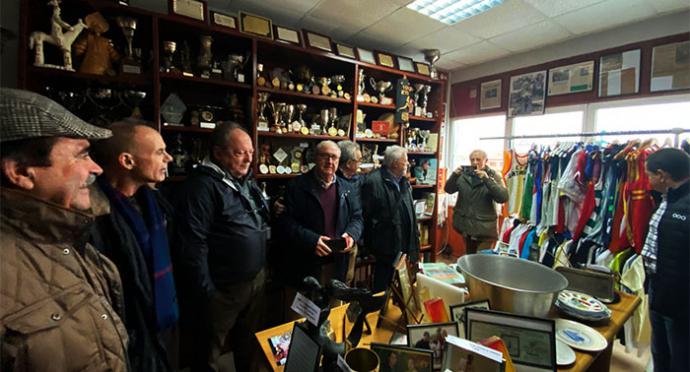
pixel 636 116
pixel 565 122
pixel 465 138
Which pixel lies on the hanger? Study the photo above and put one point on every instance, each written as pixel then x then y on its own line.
pixel 621 154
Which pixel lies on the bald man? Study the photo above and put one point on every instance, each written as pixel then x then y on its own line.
pixel 479 188
pixel 134 235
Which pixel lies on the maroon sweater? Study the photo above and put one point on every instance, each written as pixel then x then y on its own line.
pixel 329 205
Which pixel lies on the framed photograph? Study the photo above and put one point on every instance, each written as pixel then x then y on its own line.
pixel 287 35
pixel 527 93
pixel 422 68
pixel 406 64
pixel 431 337
pixel 574 78
pixel 305 352
pixel 398 358
pixel 256 25
pixel 275 343
pixel 670 67
pixel 384 59
pixel 345 51
pixel 457 312
pixel 619 73
pixel 224 20
pixel 531 342
pixel 317 41
pixel 366 56
pixel 189 8
pixel 490 95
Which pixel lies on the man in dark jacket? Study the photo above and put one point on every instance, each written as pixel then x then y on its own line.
pixel 479 188
pixel 666 255
pixel 135 237
pixel 350 159
pixel 320 207
pixel 390 221
pixel 220 251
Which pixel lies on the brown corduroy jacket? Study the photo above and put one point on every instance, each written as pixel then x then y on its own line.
pixel 59 298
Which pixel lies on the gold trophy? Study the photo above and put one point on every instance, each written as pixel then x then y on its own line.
pixel 129 64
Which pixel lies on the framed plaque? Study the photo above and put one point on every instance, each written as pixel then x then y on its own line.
pixel 422 68
pixel 189 8
pixel 317 41
pixel 224 20
pixel 366 56
pixel 345 51
pixel 574 78
pixel 255 25
pixel 490 95
pixel 406 64
pixel 670 67
pixel 386 60
pixel 287 35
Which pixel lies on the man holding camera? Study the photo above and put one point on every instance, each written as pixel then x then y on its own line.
pixel 479 188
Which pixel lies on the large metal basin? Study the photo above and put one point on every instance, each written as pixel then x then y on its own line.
pixel 511 284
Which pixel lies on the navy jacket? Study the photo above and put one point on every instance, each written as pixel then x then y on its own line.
pixel 303 219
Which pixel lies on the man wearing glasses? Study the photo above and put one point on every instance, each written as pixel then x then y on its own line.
pixel 350 159
pixel 322 220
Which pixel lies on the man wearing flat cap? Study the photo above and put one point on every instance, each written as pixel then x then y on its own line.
pixel 60 298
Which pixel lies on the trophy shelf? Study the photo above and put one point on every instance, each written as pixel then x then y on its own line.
pixel 377 140
pixel 185 129
pixel 376 105
pixel 275 176
pixel 398 73
pixel 422 153
pixel 122 79
pixel 423 186
pixel 318 97
pixel 422 118
pixel 210 81
pixel 301 136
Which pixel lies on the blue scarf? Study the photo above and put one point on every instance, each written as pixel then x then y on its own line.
pixel 152 238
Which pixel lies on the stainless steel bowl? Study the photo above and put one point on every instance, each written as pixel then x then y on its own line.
pixel 511 284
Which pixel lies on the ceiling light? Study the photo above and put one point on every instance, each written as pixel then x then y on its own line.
pixel 452 11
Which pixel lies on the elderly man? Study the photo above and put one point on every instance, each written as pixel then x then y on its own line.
pixel 221 224
pixel 391 224
pixel 134 236
pixel 59 295
pixel 350 159
pixel 322 220
pixel 479 188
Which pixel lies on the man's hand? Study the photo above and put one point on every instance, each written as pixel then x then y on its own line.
pixel 481 173
pixel 321 247
pixel 278 207
pixel 349 243
pixel 458 170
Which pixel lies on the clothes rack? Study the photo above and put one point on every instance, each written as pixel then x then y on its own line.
pixel 675 131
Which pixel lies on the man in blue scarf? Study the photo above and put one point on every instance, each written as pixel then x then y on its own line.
pixel 134 235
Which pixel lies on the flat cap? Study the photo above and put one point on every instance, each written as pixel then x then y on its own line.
pixel 25 115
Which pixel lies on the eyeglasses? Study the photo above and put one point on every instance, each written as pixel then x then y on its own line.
pixel 328 156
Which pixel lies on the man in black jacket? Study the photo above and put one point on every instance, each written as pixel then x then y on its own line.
pixel 220 251
pixel 134 235
pixel 666 255
pixel 350 159
pixel 390 221
pixel 320 207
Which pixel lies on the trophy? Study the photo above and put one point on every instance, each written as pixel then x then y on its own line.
pixel 362 95
pixel 382 87
pixel 325 82
pixel 98 51
pixel 296 155
pixel 180 158
pixel 432 56
pixel 261 101
pixel 301 108
pixel 424 135
pixel 130 65
pixel 173 110
pixel 422 90
pixel 264 158
pixel 205 58
pixel 62 35
pixel 260 75
pixel 169 48
pixel 324 119
pixel 288 114
pixel 409 136
pixel 277 110
pixel 134 98
pixel 186 54
pixel 333 116
pixel 234 66
pixel 338 80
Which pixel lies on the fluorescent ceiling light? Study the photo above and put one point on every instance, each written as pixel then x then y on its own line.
pixel 452 11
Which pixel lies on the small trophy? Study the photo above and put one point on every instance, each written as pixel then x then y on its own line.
pixel 301 108
pixel 234 66
pixel 325 82
pixel 382 87
pixel 333 116
pixel 129 65
pixel 362 95
pixel 186 56
pixel 205 58
pixel 432 56
pixel 134 98
pixel 173 110
pixel 277 110
pixel 423 90
pixel 281 155
pixel 169 48
pixel 288 114
pixel 424 134
pixel 261 102
pixel 264 158
pixel 338 81
pixel 319 128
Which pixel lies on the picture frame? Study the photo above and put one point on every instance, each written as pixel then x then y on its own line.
pixel 315 40
pixel 193 9
pixel 256 25
pixel 517 331
pixel 422 68
pixel 457 311
pixel 406 358
pixel 224 20
pixel 345 51
pixel 273 344
pixel 305 352
pixel 405 64
pixel 527 94
pixel 431 336
pixel 287 35
pixel 384 59
pixel 365 55
pixel 670 67
pixel 490 95
pixel 573 78
pixel 619 73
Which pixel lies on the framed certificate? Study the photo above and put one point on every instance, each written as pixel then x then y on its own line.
pixel 255 25
pixel 490 95
pixel 287 35
pixel 189 8
pixel 422 68
pixel 406 64
pixel 366 56
pixel 317 41
pixel 386 60
pixel 224 20
pixel 345 51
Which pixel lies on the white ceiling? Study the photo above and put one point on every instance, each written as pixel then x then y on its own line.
pixel 514 27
